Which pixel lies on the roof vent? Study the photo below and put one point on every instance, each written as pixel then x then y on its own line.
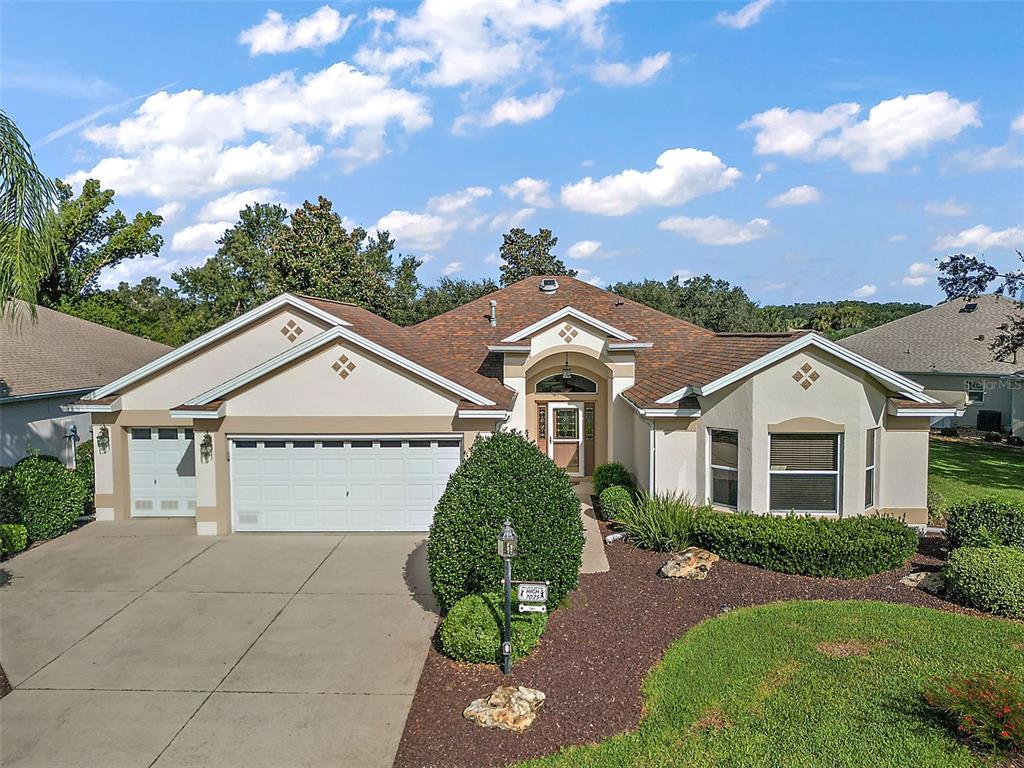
pixel 970 307
pixel 548 285
pixel 980 337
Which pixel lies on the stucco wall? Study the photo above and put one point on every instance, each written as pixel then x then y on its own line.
pixel 41 425
pixel 999 393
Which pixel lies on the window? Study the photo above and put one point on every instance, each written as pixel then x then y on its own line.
pixel 448 443
pixel 542 421
pixel 390 443
pixel 141 434
pixel 566 424
pixel 333 443
pixel 574 383
pixel 274 443
pixel 589 415
pixel 167 434
pixel 724 467
pixel 869 467
pixel 419 443
pixel 245 443
pixel 303 443
pixel 362 443
pixel 975 391
pixel 804 474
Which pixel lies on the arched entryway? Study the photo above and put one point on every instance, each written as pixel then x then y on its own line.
pixel 568 398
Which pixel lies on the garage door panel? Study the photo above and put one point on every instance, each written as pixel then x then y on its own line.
pixel 162 473
pixel 344 485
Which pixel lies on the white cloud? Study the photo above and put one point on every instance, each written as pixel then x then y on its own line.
pixel 1004 157
pixel 584 249
pixel 485 43
pixel 745 17
pixel 919 273
pixel 531 191
pixel 189 143
pixel 227 207
pixel 133 270
pixel 802 195
pixel 680 175
pixel 513 219
pixel 892 130
pixel 683 274
pixel 452 267
pixel 275 35
pixel 774 286
pixel 981 237
pixel 419 231
pixel 200 237
pixel 715 230
pixel 865 291
pixel 512 110
pixel 1017 126
pixel 622 73
pixel 589 277
pixel 456 202
pixel 897 238
pixel 380 60
pixel 948 207
pixel 169 211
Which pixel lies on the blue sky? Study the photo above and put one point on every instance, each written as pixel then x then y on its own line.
pixel 805 151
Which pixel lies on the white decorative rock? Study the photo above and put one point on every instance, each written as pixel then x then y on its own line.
pixel 932 582
pixel 511 708
pixel 691 563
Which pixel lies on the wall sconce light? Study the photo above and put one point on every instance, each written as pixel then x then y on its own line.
pixel 206 448
pixel 103 439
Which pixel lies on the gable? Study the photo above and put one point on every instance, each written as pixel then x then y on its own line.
pixel 340 379
pixel 221 360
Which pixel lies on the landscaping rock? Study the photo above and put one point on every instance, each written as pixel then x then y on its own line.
pixel 932 582
pixel 691 563
pixel 612 537
pixel 511 708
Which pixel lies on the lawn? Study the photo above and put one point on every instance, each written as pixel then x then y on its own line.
pixel 957 470
pixel 762 687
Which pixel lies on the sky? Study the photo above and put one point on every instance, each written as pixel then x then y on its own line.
pixel 803 150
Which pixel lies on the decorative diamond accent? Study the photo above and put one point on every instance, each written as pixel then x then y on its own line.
pixel 291 330
pixel 343 366
pixel 806 376
pixel 568 333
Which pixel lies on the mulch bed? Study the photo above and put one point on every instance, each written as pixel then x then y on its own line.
pixel 597 651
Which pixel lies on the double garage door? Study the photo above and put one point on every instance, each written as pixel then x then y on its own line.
pixel 378 484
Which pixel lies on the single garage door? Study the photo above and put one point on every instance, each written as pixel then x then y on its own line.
pixel 379 484
pixel 163 472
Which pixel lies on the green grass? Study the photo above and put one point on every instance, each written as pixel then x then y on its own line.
pixel 962 470
pixel 767 696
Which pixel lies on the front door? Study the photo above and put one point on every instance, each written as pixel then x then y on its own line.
pixel 565 436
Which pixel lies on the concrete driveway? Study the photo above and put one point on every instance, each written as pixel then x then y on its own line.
pixel 140 644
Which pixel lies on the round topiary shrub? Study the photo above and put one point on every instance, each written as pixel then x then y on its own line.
pixel 505 476
pixel 614 500
pixel 472 630
pixel 988 578
pixel 43 495
pixel 85 465
pixel 613 473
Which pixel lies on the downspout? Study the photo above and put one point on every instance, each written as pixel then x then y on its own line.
pixel 654 454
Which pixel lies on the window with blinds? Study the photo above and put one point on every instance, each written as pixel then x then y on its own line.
pixel 804 474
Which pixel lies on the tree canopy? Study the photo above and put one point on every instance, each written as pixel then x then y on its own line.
pixel 525 255
pixel 965 276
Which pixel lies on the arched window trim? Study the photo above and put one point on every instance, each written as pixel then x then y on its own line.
pixel 537 390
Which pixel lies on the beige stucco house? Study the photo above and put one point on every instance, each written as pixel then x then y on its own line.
pixel 313 415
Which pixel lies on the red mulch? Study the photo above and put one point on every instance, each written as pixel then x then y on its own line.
pixel 597 651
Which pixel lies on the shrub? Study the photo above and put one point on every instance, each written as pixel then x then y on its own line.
pixel 987 578
pixel 993 437
pixel 1002 518
pixel 848 548
pixel 471 632
pixel 505 476
pixel 1016 441
pixel 614 473
pixel 949 432
pixel 936 506
pixel 85 466
pixel 13 537
pixel 44 495
pixel 615 500
pixel 661 521
pixel 986 708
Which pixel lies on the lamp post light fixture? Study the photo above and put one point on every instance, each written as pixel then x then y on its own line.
pixel 508 546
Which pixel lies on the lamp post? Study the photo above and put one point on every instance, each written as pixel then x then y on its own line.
pixel 507 548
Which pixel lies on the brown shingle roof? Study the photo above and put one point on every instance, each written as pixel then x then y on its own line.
pixel 61 353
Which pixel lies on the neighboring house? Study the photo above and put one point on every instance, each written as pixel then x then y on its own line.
pixel 48 362
pixel 314 415
pixel 947 349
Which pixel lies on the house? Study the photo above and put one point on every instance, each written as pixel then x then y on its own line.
pixel 946 348
pixel 48 362
pixel 313 415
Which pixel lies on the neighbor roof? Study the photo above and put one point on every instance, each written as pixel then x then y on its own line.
pixel 60 353
pixel 948 337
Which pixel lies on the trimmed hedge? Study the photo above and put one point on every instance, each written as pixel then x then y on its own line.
pixel 613 473
pixel 614 500
pixel 848 548
pixel 13 537
pixel 988 578
pixel 43 495
pixel 505 476
pixel 85 465
pixel 1001 520
pixel 471 632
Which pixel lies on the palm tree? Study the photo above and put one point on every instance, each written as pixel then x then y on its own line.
pixel 27 200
